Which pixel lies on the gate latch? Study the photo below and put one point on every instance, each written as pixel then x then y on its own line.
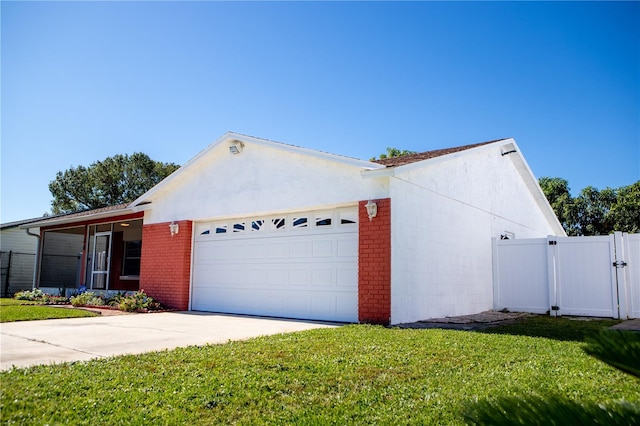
pixel 619 264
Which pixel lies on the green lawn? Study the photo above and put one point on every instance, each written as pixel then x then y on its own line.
pixel 24 310
pixel 355 374
pixel 4 301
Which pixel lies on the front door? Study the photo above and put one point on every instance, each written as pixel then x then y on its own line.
pixel 101 257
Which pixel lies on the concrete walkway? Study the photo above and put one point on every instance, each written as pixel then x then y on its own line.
pixel 29 343
pixel 489 319
pixel 631 325
pixel 472 322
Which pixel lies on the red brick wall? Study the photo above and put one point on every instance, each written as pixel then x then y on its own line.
pixel 165 264
pixel 374 264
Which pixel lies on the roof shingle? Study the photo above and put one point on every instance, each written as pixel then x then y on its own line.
pixel 413 158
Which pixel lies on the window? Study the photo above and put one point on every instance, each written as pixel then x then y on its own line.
pixel 323 220
pixel 278 223
pixel 221 229
pixel 238 227
pixel 348 217
pixel 131 258
pixel 257 225
pixel 299 222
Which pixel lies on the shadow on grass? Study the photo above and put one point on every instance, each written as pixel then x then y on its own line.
pixel 557 328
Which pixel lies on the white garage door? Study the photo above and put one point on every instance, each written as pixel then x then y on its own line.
pixel 301 265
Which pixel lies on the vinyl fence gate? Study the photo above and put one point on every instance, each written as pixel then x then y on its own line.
pixel 583 276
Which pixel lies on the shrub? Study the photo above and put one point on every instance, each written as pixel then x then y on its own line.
pixel 87 299
pixel 114 299
pixel 35 294
pixel 138 301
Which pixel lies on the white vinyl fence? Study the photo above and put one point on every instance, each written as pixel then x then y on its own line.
pixel 583 276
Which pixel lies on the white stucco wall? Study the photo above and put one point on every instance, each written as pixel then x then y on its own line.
pixel 443 218
pixel 261 180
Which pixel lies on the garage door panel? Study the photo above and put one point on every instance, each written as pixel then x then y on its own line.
pixel 277 249
pixel 276 277
pixel 321 302
pixel 255 276
pixel 345 276
pixel 314 305
pixel 299 277
pixel 347 248
pixel 305 272
pixel 323 248
pixel 346 305
pixel 299 249
pixel 255 250
pixel 322 277
pixel 274 304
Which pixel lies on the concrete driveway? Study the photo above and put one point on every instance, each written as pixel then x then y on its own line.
pixel 29 343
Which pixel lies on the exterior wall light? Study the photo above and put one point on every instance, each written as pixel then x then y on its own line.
pixel 236 147
pixel 372 209
pixel 174 228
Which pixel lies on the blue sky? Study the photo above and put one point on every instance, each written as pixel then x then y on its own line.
pixel 82 81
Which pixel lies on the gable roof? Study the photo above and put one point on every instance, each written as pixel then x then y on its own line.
pixel 508 147
pixel 420 156
pixel 232 137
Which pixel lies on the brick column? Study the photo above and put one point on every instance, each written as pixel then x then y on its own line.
pixel 374 264
pixel 165 266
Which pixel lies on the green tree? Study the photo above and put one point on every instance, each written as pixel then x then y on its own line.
pixel 593 211
pixel 590 213
pixel 624 214
pixel 393 152
pixel 558 194
pixel 114 180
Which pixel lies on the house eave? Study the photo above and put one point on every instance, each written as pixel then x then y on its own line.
pixel 74 218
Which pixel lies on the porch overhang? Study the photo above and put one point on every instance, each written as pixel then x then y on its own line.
pixel 110 214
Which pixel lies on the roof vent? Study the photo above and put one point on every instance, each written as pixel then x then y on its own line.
pixel 236 147
pixel 507 149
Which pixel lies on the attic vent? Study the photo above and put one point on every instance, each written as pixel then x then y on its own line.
pixel 235 147
pixel 507 149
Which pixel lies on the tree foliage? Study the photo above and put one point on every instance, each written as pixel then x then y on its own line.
pixel 557 192
pixel 593 211
pixel 112 181
pixel 394 152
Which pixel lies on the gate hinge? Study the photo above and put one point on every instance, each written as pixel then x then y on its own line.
pixel 555 308
pixel 619 264
pixel 553 243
